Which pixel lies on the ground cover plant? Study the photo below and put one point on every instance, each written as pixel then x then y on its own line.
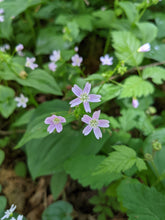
pixel 82 96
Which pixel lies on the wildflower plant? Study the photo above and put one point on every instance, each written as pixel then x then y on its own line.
pixel 86 97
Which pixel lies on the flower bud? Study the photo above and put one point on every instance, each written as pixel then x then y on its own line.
pixel 148 157
pixel 156 145
pixel 23 74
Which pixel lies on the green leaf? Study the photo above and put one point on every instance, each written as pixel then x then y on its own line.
pixel 156 52
pixel 20 169
pixel 121 160
pixel 156 73
pixel 57 148
pixel 59 210
pixel 7 103
pixel 83 167
pixel 160 22
pixel 146 28
pixel 84 22
pixel 135 86
pixel 3 203
pixel 103 19
pixel 126 46
pixel 130 10
pixel 37 128
pixel 57 184
pixel 150 202
pixel 2 156
pixel 24 118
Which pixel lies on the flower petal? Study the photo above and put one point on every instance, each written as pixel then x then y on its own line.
pixel 103 123
pixel 87 130
pixel 87 107
pixel 94 98
pixel 97 132
pixel 49 120
pixel 76 90
pixel 62 119
pixel 87 88
pixel 86 119
pixel 51 128
pixel 58 127
pixel 75 102
pixel 96 114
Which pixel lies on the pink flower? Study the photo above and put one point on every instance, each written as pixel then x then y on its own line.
pixel 135 103
pixel 144 48
pixel 94 123
pixel 83 96
pixel 106 60
pixel 19 47
pixel 56 55
pixel 55 123
pixel 76 60
pixel 52 66
pixel 30 63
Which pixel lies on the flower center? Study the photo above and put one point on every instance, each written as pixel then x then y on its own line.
pixel 56 121
pixel 84 97
pixel 93 123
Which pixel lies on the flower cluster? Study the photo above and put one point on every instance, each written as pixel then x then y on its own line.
pixel 1 15
pixel 93 123
pixel 9 214
pixel 30 63
pixel 4 47
pixel 54 57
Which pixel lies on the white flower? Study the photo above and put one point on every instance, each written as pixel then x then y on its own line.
pixel 1 18
pixel 144 48
pixel 106 60
pixel 1 0
pixel 20 217
pixel 19 47
pixel 76 49
pixel 56 55
pixel 30 63
pixel 21 101
pixel 76 60
pixel 1 10
pixel 9 212
pixel 135 103
pixel 52 66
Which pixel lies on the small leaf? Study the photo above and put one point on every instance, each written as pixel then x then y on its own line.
pixel 20 169
pixel 59 210
pixel 130 10
pixel 126 46
pixel 3 203
pixel 157 74
pixel 135 86
pixel 2 156
pixel 146 28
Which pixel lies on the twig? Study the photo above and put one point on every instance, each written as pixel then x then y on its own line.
pixel 4 133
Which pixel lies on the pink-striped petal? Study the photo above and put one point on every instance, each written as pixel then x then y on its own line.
pixel 62 119
pixel 103 123
pixel 87 88
pixel 97 132
pixel 75 102
pixel 51 128
pixel 49 120
pixel 76 90
pixel 87 130
pixel 86 119
pixel 87 107
pixel 96 114
pixel 58 128
pixel 94 98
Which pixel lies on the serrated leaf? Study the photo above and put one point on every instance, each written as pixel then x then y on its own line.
pixel 126 46
pixel 120 160
pixel 135 86
pixel 83 168
pixel 157 74
pixel 150 202
pixel 146 28
pixel 130 10
pixel 59 210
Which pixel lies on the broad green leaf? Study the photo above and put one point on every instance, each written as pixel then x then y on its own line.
pixel 7 103
pixel 59 210
pixel 24 118
pixel 160 22
pixel 84 22
pixel 156 73
pixel 2 156
pixel 121 160
pixel 130 10
pixel 159 135
pixel 37 128
pixel 146 28
pixel 57 148
pixel 126 46
pixel 135 86
pixel 150 202
pixel 83 167
pixel 156 52
pixel 95 76
pixel 49 40
pixel 3 203
pixel 57 184
pixel 13 9
pixel 103 19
